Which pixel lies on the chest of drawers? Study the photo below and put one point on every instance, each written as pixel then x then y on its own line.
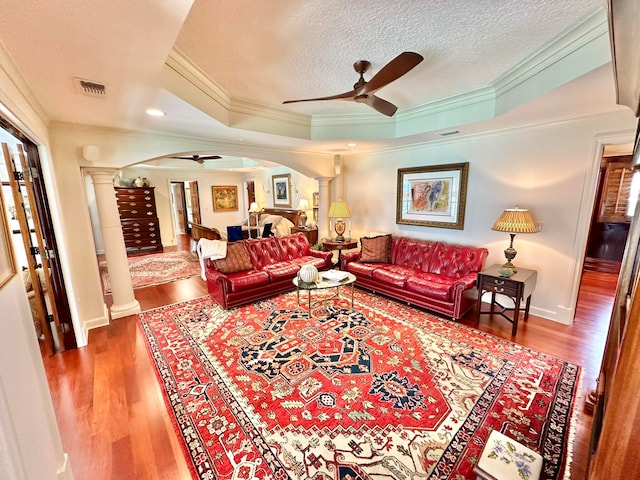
pixel 139 219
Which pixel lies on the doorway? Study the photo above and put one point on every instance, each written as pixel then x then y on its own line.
pixel 34 240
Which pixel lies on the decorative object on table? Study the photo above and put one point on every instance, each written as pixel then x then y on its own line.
pixel 145 182
pixel 303 205
pixel 432 196
pixel 281 190
pixel 156 269
pixel 138 182
pixel 266 371
pixel 308 273
pixel 225 198
pixel 339 210
pixel 504 458
pixel 513 221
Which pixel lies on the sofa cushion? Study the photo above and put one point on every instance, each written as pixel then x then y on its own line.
pixel 281 270
pixel 412 253
pixel 431 285
pixel 393 274
pixel 247 280
pixel 362 269
pixel 315 261
pixel 237 259
pixel 456 261
pixel 294 246
pixel 264 251
pixel 375 249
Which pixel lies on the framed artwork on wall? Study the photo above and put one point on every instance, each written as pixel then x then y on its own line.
pixel 7 260
pixel 433 196
pixel 281 190
pixel 316 199
pixel 225 198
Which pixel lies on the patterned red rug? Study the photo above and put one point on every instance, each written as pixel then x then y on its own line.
pixel 383 391
pixel 156 268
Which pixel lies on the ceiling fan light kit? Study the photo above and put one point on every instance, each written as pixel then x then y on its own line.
pixel 363 91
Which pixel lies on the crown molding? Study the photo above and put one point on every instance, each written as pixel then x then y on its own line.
pixel 571 55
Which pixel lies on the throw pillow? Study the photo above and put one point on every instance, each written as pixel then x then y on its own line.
pixel 237 259
pixel 375 249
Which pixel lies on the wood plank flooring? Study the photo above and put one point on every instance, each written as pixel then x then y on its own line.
pixel 112 417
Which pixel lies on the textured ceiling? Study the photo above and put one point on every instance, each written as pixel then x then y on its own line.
pixel 265 52
pixel 273 51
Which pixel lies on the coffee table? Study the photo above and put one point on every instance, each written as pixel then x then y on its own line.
pixel 324 283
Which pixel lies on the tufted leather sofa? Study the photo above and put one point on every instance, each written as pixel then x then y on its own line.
pixel 433 275
pixel 275 262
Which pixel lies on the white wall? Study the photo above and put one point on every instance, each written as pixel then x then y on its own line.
pixel 30 445
pixel 543 168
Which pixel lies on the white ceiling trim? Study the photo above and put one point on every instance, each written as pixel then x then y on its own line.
pixel 573 54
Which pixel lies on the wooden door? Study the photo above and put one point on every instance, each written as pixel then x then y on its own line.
pixel 195 202
pixel 36 253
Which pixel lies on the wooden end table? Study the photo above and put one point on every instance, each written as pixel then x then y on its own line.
pixel 344 245
pixel 310 232
pixel 518 287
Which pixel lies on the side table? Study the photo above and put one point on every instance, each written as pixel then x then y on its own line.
pixel 310 232
pixel 344 245
pixel 518 287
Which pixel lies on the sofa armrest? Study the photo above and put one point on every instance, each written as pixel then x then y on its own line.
pixel 320 254
pixel 348 257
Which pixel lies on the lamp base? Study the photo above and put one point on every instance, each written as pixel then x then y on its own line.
pixel 302 219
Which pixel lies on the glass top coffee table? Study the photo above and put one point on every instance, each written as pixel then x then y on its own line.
pixel 327 280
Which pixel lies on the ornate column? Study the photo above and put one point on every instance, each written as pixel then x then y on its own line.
pixel 124 302
pixel 323 208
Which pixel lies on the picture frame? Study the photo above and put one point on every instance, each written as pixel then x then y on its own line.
pixel 281 190
pixel 432 196
pixel 225 198
pixel 7 259
pixel 316 199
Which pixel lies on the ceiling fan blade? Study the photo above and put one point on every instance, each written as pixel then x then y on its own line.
pixel 382 106
pixel 341 96
pixel 391 71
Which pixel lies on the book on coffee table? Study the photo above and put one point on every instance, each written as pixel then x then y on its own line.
pixel 334 275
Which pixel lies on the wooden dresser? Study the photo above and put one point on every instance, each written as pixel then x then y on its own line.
pixel 139 219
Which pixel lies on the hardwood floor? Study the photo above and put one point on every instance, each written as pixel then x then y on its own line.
pixel 114 424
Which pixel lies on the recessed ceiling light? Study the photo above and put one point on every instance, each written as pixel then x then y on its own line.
pixel 154 112
pixel 352 145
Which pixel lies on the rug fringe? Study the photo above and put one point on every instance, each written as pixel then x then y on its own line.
pixel 573 426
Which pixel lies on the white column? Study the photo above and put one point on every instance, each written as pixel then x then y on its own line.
pixel 124 302
pixel 323 208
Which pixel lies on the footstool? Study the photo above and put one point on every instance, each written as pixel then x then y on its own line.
pixel 505 459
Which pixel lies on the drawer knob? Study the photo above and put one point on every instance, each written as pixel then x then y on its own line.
pixel 499 282
pixel 498 290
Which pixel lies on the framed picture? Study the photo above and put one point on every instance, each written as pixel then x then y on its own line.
pixel 316 199
pixel 7 260
pixel 281 190
pixel 433 196
pixel 225 199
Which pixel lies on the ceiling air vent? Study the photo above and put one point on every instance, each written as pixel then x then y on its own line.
pixel 92 89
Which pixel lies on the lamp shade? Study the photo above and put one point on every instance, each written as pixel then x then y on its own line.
pixel 303 204
pixel 253 208
pixel 339 209
pixel 515 220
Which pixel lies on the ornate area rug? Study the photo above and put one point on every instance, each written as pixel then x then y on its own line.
pixel 156 268
pixel 383 391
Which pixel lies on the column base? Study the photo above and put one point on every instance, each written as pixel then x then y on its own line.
pixel 119 311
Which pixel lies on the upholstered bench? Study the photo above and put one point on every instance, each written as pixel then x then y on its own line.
pixel 505 459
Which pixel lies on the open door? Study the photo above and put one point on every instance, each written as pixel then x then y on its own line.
pixel 51 332
pixel 195 203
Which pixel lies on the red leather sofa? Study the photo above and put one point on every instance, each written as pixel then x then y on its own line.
pixel 274 262
pixel 433 275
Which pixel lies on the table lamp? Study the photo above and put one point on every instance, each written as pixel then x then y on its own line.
pixel 253 211
pixel 339 210
pixel 303 205
pixel 513 221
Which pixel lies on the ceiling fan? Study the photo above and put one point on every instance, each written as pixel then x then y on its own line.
pixel 363 91
pixel 198 158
